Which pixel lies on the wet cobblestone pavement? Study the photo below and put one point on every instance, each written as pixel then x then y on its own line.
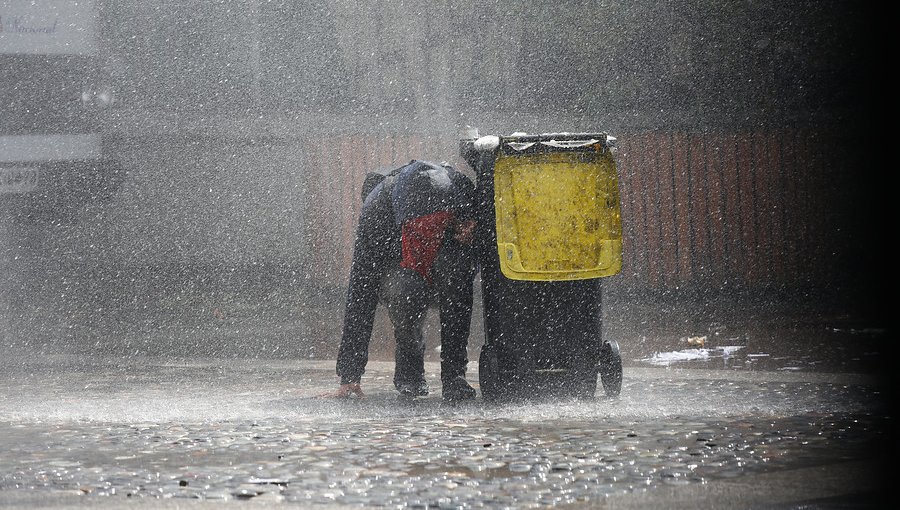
pixel 157 430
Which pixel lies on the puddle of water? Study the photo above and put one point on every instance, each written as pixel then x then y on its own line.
pixel 694 354
pixel 810 348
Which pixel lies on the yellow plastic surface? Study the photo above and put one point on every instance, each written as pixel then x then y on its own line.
pixel 558 215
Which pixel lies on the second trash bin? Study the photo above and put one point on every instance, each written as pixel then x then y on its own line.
pixel 549 230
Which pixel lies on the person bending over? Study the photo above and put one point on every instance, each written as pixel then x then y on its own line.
pixel 413 250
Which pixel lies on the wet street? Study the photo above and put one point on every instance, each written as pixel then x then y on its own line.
pixel 176 433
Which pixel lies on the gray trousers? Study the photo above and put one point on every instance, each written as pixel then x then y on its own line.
pixel 408 297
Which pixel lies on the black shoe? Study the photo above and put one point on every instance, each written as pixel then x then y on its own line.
pixel 457 390
pixel 413 389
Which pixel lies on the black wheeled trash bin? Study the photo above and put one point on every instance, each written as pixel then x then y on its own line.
pixel 549 230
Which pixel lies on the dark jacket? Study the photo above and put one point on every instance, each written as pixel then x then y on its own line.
pixel 415 190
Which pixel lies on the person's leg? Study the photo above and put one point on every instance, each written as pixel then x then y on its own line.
pixel 455 304
pixel 405 294
pixel 453 275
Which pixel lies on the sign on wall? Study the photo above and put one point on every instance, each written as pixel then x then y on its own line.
pixel 48 27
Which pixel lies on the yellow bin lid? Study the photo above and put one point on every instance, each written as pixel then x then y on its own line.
pixel 558 214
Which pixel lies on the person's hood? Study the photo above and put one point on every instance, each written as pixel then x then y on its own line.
pixel 424 188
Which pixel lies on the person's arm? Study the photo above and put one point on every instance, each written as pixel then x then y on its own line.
pixel 370 251
pixel 346 391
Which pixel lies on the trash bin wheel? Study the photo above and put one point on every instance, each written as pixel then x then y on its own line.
pixel 611 368
pixel 489 374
